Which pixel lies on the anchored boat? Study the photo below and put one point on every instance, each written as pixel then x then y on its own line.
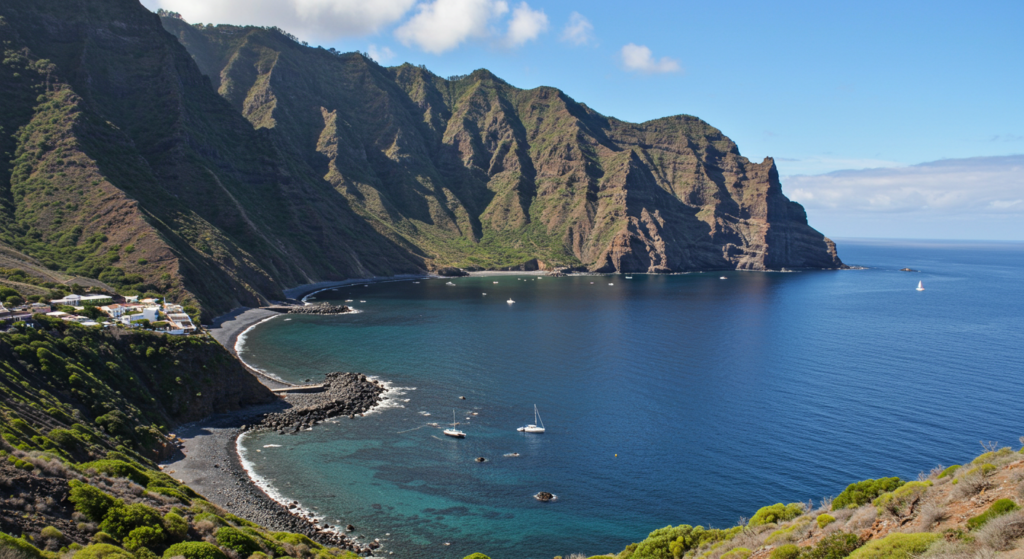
pixel 453 432
pixel 536 427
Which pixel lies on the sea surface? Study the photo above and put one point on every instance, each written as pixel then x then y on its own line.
pixel 682 399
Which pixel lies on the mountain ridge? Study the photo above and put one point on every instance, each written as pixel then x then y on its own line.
pixel 219 165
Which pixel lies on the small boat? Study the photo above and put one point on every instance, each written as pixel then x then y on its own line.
pixel 348 300
pixel 362 301
pixel 629 277
pixel 453 432
pixel 920 286
pixel 449 283
pixel 723 277
pixel 611 284
pixel 416 282
pixel 533 427
pixel 495 282
pixel 510 301
pixel 485 294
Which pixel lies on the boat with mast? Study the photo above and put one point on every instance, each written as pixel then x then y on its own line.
pixel 453 432
pixel 920 286
pixel 536 427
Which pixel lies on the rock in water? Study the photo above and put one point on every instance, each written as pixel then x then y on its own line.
pixel 544 496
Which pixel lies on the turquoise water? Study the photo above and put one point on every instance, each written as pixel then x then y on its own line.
pixel 668 399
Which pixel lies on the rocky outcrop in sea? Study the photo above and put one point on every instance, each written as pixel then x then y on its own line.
pixel 321 308
pixel 343 394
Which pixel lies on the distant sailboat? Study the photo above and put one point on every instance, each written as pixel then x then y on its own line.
pixel 536 427
pixel 449 283
pixel 453 432
pixel 510 301
pixel 920 286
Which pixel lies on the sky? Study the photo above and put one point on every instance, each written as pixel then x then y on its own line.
pixel 878 114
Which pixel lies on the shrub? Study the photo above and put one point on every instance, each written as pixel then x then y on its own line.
pixel 998 508
pixel 238 521
pixel 232 538
pixel 209 517
pixel 102 551
pixel 175 525
pixel 23 548
pixel 776 513
pixel 788 551
pixel 789 533
pixel 103 537
pixel 1000 532
pixel 737 553
pixel 901 502
pixel 144 536
pixel 476 556
pixel 51 533
pixel 896 546
pixel 120 521
pixel 949 471
pixel 825 520
pixel 90 501
pixel 666 542
pixel 117 468
pixel 194 550
pixel 969 485
pixel 836 546
pixel 862 492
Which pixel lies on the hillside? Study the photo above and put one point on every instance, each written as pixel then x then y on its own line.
pixel 84 412
pixel 220 165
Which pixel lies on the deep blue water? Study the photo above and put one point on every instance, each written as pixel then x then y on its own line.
pixel 717 396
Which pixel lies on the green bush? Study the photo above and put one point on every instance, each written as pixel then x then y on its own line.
pixel 120 521
pixel 26 549
pixel 776 513
pixel 144 536
pixel 788 551
pixel 103 537
pixel 51 533
pixel 476 556
pixel 118 468
pixel 169 493
pixel 784 534
pixel 211 517
pixel 949 471
pixel 296 539
pixel 90 501
pixel 737 553
pixel 998 508
pixel 825 520
pixel 896 546
pixel 175 525
pixel 238 521
pixel 102 551
pixel 835 546
pixel 862 492
pixel 232 538
pixel 902 500
pixel 194 550
pixel 670 541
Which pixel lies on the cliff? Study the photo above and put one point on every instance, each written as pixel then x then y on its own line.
pixel 221 164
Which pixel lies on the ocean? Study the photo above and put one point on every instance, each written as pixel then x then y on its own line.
pixel 668 399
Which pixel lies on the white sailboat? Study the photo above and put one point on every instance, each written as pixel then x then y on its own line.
pixel 536 427
pixel 453 432
pixel 510 301
pixel 920 286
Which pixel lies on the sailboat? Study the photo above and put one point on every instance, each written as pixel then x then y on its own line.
pixel 453 432
pixel 920 286
pixel 510 301
pixel 533 427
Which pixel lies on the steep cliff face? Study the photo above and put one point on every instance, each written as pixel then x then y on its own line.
pixel 474 172
pixel 127 167
pixel 248 163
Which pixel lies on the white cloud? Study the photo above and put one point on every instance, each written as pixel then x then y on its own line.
pixel 442 25
pixel 579 31
pixel 309 19
pixel 380 54
pixel 979 185
pixel 526 25
pixel 640 59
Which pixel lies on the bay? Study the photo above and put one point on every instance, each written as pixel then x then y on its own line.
pixel 667 399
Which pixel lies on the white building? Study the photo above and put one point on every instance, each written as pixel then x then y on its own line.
pixel 181 321
pixel 75 300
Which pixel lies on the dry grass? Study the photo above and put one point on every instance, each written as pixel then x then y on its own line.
pixel 862 518
pixel 7 552
pixel 929 514
pixel 970 485
pixel 1000 532
pixel 957 550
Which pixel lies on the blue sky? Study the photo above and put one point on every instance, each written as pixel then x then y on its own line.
pixel 822 87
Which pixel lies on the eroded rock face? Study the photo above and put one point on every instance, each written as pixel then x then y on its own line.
pixel 475 173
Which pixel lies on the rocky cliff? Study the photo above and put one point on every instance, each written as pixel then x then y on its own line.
pixel 221 164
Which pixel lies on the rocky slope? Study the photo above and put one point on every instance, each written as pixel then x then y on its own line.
pixel 248 163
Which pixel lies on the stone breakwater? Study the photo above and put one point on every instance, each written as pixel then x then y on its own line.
pixel 322 308
pixel 344 394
